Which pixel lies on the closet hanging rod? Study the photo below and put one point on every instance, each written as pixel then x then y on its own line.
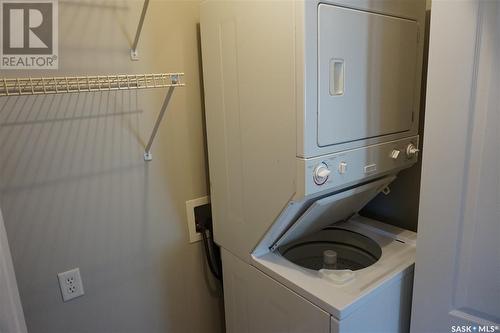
pixel 77 84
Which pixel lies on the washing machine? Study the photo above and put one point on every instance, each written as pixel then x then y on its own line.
pixel 311 111
pixel 358 270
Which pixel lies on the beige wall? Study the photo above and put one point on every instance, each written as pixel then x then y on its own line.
pixel 75 191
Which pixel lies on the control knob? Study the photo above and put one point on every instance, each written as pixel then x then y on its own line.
pixel 411 151
pixel 321 173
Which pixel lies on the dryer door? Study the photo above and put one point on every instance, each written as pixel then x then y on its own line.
pixel 366 70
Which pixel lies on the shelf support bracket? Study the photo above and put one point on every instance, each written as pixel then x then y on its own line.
pixel 134 54
pixel 147 154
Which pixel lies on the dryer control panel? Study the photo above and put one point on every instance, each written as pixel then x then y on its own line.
pixel 334 171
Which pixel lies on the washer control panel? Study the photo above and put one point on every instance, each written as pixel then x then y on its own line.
pixel 342 168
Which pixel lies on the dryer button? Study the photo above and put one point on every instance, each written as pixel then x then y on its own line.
pixel 370 168
pixel 395 154
pixel 342 167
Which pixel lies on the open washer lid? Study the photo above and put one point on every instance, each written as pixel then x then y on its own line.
pixel 334 208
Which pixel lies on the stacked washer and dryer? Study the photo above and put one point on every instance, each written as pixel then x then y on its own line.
pixel 312 110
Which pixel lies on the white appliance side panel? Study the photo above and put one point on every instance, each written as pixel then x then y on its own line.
pixel 367 68
pixel 256 303
pixel 249 87
pixel 387 311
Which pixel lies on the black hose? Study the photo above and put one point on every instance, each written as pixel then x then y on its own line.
pixel 213 263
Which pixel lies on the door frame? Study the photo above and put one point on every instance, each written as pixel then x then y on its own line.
pixel 11 311
pixel 458 89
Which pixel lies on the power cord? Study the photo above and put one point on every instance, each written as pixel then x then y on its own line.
pixel 203 220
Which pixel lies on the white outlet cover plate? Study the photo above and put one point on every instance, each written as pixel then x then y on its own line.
pixel 71 284
pixel 190 205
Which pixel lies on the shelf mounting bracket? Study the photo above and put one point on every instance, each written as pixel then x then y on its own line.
pixel 147 154
pixel 134 54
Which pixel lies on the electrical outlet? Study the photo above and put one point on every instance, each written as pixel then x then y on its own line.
pixel 71 284
pixel 194 236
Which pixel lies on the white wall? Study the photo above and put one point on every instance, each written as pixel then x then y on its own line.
pixel 75 191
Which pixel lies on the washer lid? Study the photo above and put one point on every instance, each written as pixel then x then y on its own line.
pixel 335 208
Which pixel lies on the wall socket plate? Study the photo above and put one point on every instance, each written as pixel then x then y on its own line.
pixel 71 284
pixel 190 205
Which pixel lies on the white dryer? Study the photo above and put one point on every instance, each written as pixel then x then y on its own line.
pixel 311 110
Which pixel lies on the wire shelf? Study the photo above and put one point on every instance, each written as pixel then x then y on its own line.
pixel 77 84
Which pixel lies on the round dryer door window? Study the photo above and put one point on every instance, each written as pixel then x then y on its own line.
pixel 333 248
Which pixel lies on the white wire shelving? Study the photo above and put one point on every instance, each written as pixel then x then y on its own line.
pixel 79 84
